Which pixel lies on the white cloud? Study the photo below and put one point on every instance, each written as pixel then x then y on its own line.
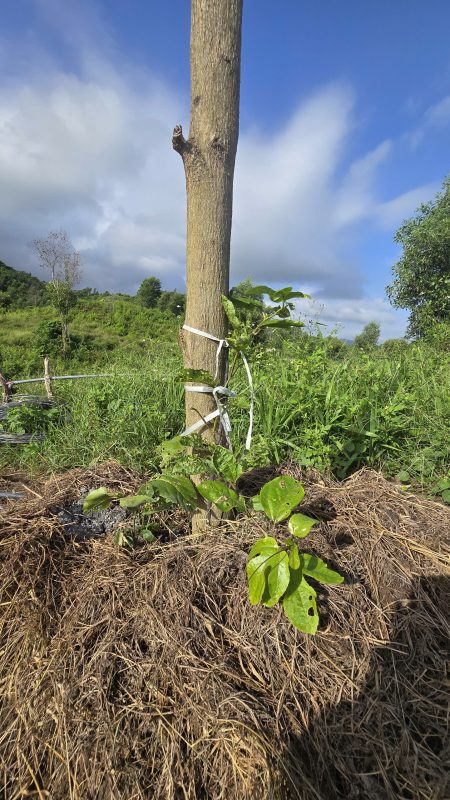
pixel 436 117
pixel 89 150
pixel 347 318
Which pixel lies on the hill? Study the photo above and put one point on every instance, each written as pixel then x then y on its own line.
pixel 20 289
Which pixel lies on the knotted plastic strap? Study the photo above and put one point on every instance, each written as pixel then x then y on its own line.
pixel 220 411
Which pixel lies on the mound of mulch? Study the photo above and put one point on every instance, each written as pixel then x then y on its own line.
pixel 148 674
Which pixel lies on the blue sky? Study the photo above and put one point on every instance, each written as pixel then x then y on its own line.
pixel 345 126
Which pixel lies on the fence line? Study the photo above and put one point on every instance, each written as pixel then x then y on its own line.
pixel 47 379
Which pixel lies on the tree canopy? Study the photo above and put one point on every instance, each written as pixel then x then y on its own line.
pixel 422 275
pixel 149 292
pixel 369 336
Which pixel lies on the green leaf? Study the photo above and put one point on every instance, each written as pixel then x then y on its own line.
pixel 177 489
pixel 221 495
pixel 277 578
pixel 281 323
pixel 294 557
pixel 276 295
pixel 230 311
pixel 148 535
pixel 300 525
pixel 226 465
pixel 197 376
pixel 318 569
pixel 256 570
pixel 262 289
pixel 264 545
pixel 98 498
pixel 299 603
pixel 446 496
pixel 403 476
pixel 280 496
pixel 244 302
pixel 256 502
pixel 134 501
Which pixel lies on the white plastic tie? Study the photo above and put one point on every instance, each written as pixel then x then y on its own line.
pixel 221 410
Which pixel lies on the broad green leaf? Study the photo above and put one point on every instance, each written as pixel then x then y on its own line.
pixel 281 323
pixel 256 502
pixel 317 569
pixel 176 489
pixel 300 525
pixel 244 302
pixel 299 603
pixel 134 501
pixel 230 311
pixel 98 498
pixel 221 495
pixel 147 489
pixel 266 544
pixel 403 476
pixel 227 466
pixel 277 578
pixel 148 535
pixel 441 486
pixel 294 557
pixel 446 496
pixel 256 570
pixel 282 295
pixel 277 295
pixel 280 496
pixel 262 289
pixel 197 376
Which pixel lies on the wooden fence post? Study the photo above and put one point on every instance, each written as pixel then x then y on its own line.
pixel 6 388
pixel 47 378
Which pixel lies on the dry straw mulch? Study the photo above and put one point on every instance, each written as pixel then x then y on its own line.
pixel 149 675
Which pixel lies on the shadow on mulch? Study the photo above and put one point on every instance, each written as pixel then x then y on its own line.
pixel 147 674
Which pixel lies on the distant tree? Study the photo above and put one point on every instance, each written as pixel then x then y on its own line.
pixel 174 302
pixel 57 254
pixel 149 292
pixel 368 338
pixel 422 276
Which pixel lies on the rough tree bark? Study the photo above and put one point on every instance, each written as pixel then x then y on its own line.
pixel 209 157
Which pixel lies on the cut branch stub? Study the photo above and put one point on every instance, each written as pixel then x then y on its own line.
pixel 179 143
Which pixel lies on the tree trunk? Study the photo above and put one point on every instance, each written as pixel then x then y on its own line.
pixel 209 156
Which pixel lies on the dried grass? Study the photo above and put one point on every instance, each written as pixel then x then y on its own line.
pixel 149 675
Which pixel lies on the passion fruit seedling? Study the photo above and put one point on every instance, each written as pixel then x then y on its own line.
pixel 276 572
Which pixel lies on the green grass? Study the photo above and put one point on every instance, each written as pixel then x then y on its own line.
pixel 389 409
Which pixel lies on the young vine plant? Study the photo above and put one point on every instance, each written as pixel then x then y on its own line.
pixel 277 570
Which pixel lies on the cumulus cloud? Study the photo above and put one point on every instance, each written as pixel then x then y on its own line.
pixel 87 148
pixel 347 317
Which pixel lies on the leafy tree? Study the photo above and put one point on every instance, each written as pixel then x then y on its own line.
pixel 174 302
pixel 368 338
pixel 422 276
pixel 149 292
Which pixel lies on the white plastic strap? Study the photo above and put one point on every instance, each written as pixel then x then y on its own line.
pixel 248 440
pixel 220 390
pixel 221 410
pixel 222 343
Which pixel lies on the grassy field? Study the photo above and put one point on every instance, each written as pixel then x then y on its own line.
pixel 335 409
